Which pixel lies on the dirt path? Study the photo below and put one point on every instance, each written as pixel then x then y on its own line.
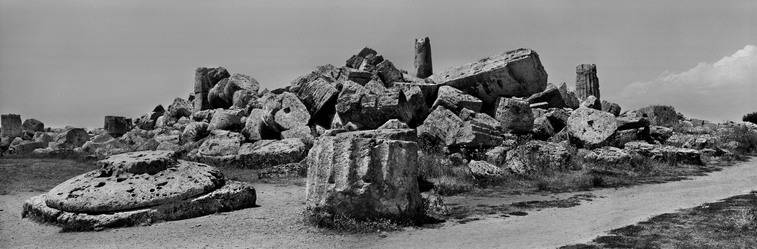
pixel 556 227
pixel 277 222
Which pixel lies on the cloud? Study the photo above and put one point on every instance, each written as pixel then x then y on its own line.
pixel 724 90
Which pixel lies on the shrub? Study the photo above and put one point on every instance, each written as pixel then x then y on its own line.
pixel 750 117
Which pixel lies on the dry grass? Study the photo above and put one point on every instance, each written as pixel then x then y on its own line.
pixel 725 224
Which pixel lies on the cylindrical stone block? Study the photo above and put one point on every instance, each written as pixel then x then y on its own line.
pixel 587 83
pixel 423 67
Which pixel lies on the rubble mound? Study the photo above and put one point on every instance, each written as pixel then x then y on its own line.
pixel 139 188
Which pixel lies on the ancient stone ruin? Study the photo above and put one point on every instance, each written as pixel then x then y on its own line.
pixel 587 83
pixel 139 188
pixel 357 130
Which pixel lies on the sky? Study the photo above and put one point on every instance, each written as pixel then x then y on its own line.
pixel 73 62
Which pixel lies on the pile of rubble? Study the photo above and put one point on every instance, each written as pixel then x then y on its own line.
pixel 356 126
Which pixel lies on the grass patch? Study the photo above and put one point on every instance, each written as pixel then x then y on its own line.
pixel 38 175
pixel 729 223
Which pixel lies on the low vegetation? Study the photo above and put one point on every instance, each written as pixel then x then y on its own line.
pixel 725 224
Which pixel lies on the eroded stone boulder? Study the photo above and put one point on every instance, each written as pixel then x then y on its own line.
pixel 292 113
pixel 70 139
pixel 116 126
pixel 11 125
pixel 538 156
pixel 514 115
pixel 32 125
pixel 591 127
pixel 267 153
pixel 195 131
pixel 455 100
pixel 206 79
pixel 230 120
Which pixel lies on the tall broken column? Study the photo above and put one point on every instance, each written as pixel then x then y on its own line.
pixel 205 79
pixel 423 67
pixel 587 83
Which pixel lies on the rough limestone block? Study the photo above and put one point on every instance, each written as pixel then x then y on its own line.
pixel 455 100
pixel 116 126
pixel 292 113
pixel 11 125
pixel 590 126
pixel 514 115
pixel 206 79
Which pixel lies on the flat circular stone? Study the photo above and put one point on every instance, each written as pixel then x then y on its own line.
pixel 139 162
pixel 101 191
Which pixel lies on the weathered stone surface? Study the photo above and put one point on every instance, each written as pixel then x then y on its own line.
pixel 537 156
pixel 11 125
pixel 592 102
pixel 611 107
pixel 608 155
pixel 551 95
pixel 497 155
pixel 627 123
pixel 393 124
pixel 423 65
pixel 388 73
pixel 140 162
pixel 180 108
pixel 476 131
pixel 483 169
pixel 542 128
pixel 32 125
pixel 206 79
pixel 105 145
pixel 318 95
pixel 419 97
pixel 370 110
pixel 363 178
pixel 386 134
pixel 203 116
pixel 231 196
pixel 168 142
pixel 292 113
pixel 568 97
pixel 660 133
pixel 43 137
pixel 658 115
pixel 514 115
pixel 220 143
pixel 266 153
pixel 28 146
pixel 147 120
pixel 217 97
pixel 359 60
pixel 239 82
pixel 587 83
pixel 230 120
pixel 591 127
pixel 116 126
pixel 254 127
pixel 70 139
pixel 195 131
pixel 516 73
pixel 245 100
pixel 666 153
pixel 304 133
pixel 455 100
pixel 115 188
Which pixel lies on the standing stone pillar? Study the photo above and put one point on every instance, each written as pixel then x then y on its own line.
pixel 423 67
pixel 116 126
pixel 11 125
pixel 205 79
pixel 587 82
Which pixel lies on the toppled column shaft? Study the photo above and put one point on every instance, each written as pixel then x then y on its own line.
pixel 423 67
pixel 587 83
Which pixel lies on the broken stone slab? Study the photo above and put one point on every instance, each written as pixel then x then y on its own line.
pixel 180 108
pixel 230 120
pixel 418 97
pixel 254 127
pixel 32 125
pixel 292 113
pixel 266 153
pixel 542 129
pixel 607 155
pixel 216 95
pixel 195 131
pixel 477 130
pixel 393 124
pixel 611 107
pixel 627 123
pixel 363 178
pixel 455 100
pixel 387 134
pixel 245 100
pixel 483 169
pixel 231 196
pixel 239 82
pixel 591 127
pixel 666 153
pixel 206 79
pixel 658 115
pixel 538 156
pixel 203 116
pixel 388 73
pixel 592 102
pixel 319 95
pixel 370 110
pixel 304 133
pixel 551 96
pixel 516 73
pixel 116 126
pixel 514 115
pixel 220 143
pixel 70 139
pixel 11 125
pixel 568 97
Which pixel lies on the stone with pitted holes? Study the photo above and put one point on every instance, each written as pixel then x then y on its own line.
pixel 132 181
